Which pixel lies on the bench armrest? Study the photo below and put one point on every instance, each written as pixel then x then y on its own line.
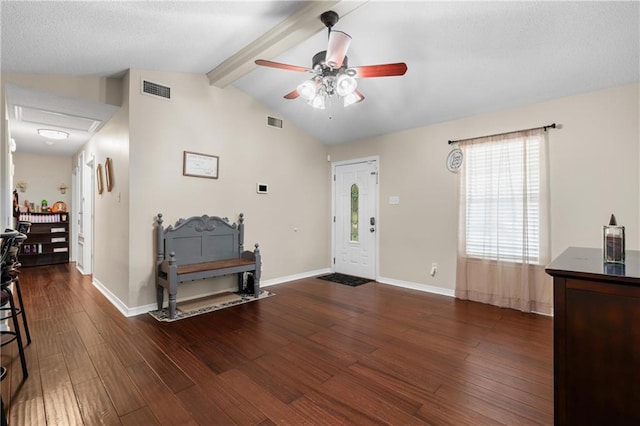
pixel 167 264
pixel 252 255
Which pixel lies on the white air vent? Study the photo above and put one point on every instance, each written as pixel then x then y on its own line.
pixel 274 122
pixel 155 89
pixel 55 119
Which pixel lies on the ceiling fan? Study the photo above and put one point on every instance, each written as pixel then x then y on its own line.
pixel 331 72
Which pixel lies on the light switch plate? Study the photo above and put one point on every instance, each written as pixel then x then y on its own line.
pixel 394 199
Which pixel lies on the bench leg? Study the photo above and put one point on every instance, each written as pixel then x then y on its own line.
pixel 240 282
pixel 256 284
pixel 160 296
pixel 172 305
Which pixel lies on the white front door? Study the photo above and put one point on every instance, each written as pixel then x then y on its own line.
pixel 355 219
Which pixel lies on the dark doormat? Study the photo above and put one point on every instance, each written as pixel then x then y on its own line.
pixel 345 279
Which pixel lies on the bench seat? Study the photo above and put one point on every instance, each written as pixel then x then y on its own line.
pixel 210 266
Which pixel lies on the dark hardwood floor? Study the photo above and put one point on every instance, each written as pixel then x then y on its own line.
pixel 316 353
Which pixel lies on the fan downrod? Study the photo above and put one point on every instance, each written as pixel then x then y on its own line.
pixel 329 18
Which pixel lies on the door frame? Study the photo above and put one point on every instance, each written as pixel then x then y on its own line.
pixel 73 217
pixel 86 166
pixel 334 164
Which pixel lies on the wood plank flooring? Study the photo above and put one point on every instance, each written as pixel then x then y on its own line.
pixel 316 353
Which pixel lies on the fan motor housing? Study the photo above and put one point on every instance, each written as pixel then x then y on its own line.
pixel 329 18
pixel 319 60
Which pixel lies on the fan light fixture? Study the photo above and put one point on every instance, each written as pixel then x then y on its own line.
pixel 53 134
pixel 319 89
pixel 331 73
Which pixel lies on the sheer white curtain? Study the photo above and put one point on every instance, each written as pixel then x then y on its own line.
pixel 503 233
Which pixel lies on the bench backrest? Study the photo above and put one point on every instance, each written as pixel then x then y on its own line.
pixel 200 239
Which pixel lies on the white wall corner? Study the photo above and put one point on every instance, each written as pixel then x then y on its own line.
pixel 124 310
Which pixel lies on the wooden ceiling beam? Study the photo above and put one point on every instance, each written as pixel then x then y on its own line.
pixel 287 34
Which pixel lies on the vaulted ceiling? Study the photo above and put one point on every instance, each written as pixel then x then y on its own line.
pixel 463 58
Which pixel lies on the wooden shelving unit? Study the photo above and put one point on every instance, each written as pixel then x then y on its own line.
pixel 47 241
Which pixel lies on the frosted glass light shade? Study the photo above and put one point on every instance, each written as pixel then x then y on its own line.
pixel 352 98
pixel 308 89
pixel 318 102
pixel 346 85
pixel 53 134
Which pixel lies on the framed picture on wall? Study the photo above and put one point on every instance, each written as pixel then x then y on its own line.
pixel 200 165
pixel 108 171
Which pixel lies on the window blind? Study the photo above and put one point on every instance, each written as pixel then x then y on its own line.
pixel 503 199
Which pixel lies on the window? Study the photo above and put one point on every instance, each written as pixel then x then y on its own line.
pixel 502 196
pixel 355 198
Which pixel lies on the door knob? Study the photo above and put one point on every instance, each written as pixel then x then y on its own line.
pixel 372 229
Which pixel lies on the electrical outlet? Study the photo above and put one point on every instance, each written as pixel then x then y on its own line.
pixel 434 269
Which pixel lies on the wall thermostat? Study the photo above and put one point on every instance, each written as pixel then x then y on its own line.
pixel 261 188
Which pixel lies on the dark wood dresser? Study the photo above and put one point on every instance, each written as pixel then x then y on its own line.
pixel 596 338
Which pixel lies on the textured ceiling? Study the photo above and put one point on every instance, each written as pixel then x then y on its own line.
pixel 464 58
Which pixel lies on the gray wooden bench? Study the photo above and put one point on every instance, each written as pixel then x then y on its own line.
pixel 202 247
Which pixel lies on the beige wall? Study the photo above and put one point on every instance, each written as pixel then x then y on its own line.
pixel 44 175
pixel 111 208
pixel 229 124
pixel 594 171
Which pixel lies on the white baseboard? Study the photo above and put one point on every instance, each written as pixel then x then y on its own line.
pixel 416 286
pixel 138 310
pixel 280 280
pixel 124 310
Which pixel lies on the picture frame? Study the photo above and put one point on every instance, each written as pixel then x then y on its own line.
pixel 196 164
pixel 108 171
pixel 99 179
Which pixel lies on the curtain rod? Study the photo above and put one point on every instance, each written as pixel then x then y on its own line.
pixel 548 126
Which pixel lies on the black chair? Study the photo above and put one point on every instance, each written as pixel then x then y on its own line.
pixel 11 240
pixel 10 272
pixel 3 413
